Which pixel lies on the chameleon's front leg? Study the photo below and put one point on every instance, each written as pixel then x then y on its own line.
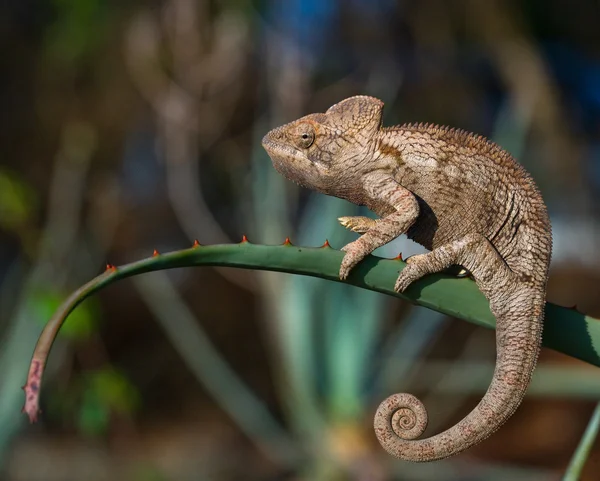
pixel 380 188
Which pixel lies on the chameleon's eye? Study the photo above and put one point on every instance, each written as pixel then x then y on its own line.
pixel 306 136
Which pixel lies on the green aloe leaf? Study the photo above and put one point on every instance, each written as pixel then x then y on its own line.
pixel 566 330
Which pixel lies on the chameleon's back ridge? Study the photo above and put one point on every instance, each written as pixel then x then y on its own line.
pixel 459 195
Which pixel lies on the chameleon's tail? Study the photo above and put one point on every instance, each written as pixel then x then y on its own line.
pixel 402 417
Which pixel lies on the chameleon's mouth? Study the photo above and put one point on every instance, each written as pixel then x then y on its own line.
pixel 278 150
pixel 286 159
pixel 267 143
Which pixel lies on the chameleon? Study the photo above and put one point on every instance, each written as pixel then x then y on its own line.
pixel 470 204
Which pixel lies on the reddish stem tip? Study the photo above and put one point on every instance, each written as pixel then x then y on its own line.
pixel 110 267
pixel 287 242
pixel 326 244
pixel 398 257
pixel 155 253
pixel 196 243
pixel 244 239
pixel 32 390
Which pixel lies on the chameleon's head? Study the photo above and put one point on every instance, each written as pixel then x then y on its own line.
pixel 323 151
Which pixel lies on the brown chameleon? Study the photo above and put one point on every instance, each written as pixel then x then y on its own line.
pixel 463 198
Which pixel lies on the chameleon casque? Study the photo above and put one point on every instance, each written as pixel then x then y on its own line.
pixel 463 198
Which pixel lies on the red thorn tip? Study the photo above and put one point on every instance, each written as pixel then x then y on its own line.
pixel 110 267
pixel 244 239
pixel 398 257
pixel 325 244
pixel 155 253
pixel 196 243
pixel 287 242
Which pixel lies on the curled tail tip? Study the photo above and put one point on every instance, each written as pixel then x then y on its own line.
pixel 399 418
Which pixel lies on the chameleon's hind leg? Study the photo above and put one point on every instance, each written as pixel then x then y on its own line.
pixel 473 251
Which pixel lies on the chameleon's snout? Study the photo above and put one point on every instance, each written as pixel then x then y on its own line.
pixel 272 135
pixel 265 141
pixel 272 141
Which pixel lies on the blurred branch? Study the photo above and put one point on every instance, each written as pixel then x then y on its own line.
pixel 212 82
pixel 284 83
pixel 67 194
pixel 532 89
pixel 582 452
pixel 188 123
pixel 192 343
pixel 67 190
pixel 471 351
pixel 411 341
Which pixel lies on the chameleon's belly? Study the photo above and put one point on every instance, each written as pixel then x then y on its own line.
pixel 452 218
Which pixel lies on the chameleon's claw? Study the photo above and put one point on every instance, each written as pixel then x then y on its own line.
pixel 345 221
pixel 412 272
pixel 355 253
pixel 404 280
pixel 358 224
pixel 345 269
pixel 348 262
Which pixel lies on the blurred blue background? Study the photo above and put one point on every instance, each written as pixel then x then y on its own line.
pixel 130 126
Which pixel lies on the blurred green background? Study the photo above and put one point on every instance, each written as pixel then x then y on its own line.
pixel 130 126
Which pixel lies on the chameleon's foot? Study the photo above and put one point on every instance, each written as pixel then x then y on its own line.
pixel 416 267
pixel 357 224
pixel 355 252
pixel 457 253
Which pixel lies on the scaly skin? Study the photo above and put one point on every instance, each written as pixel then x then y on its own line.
pixel 463 198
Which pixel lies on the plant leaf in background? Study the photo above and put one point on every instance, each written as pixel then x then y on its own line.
pixel 105 392
pixel 18 201
pixel 80 326
pixel 79 27
pixel 94 399
pixel 582 452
